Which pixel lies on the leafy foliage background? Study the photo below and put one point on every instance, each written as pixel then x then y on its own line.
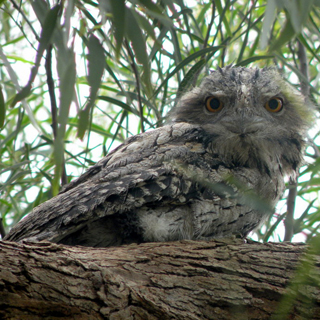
pixel 79 77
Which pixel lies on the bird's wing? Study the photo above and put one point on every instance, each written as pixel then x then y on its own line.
pixel 145 169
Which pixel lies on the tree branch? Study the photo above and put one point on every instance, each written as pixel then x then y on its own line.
pixel 225 279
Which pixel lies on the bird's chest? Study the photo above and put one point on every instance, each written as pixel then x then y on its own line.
pixel 224 202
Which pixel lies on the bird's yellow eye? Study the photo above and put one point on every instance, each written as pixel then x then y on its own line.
pixel 213 104
pixel 274 105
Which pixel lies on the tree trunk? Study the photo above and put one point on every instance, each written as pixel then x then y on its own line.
pixel 225 279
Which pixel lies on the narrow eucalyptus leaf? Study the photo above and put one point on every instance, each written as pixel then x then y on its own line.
pixel 83 122
pixel 222 12
pixel 2 109
pixel 119 103
pixel 286 35
pixel 139 47
pixel 166 21
pixel 137 39
pixel 306 45
pixel 151 6
pixel 187 60
pixel 294 14
pixel 269 16
pixel 22 94
pixel 48 29
pixel 67 82
pixel 144 24
pixel 119 20
pixel 253 59
pixel 96 65
pixel 40 7
pixel 189 77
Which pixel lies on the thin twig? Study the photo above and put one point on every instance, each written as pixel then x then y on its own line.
pixel 54 108
pixel 18 7
pixel 315 148
pixel 289 220
pixel 50 83
pixel 305 89
pixel 2 231
pixel 136 74
pixel 302 54
pixel 205 42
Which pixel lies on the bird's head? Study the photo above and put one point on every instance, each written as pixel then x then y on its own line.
pixel 253 116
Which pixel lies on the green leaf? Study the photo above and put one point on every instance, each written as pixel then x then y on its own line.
pixel 67 75
pixel 189 77
pixel 37 201
pixel 176 44
pixel 15 166
pixel 151 6
pixel 45 38
pixel 21 59
pixel 298 223
pixel 67 82
pixel 294 14
pixel 119 12
pixel 269 17
pixel 22 94
pixel 137 39
pixel 298 12
pixel 301 76
pixel 47 31
pixel 305 44
pixel 2 109
pixel 40 7
pixel 101 130
pixel 166 21
pixel 13 41
pixel 58 157
pixel 139 46
pixel 253 59
pixel 273 227
pixel 144 23
pixel 83 122
pixel 186 61
pixel 286 35
pixel 96 65
pixel 222 13
pixel 123 117
pixel 120 104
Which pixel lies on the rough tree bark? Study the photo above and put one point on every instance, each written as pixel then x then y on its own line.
pixel 226 279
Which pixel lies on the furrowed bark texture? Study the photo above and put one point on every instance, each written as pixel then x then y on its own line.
pixel 225 279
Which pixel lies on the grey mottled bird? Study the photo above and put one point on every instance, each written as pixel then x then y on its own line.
pixel 215 169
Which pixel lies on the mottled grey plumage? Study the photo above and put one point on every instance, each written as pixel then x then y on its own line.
pixel 203 175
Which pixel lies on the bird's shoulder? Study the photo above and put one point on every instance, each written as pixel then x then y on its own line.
pixel 147 150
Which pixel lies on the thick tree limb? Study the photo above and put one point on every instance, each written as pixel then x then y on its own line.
pixel 225 279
